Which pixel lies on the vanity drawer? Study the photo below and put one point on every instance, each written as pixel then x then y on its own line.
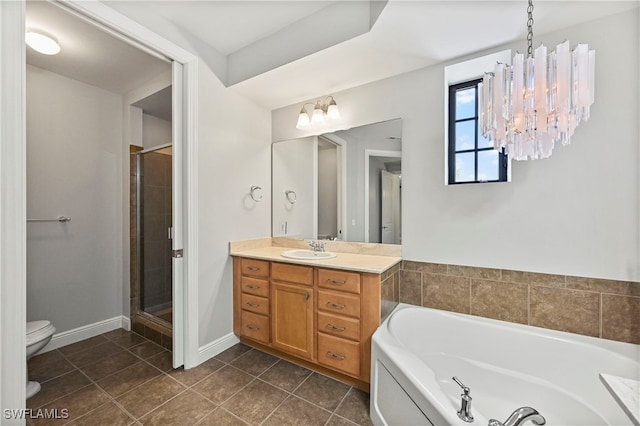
pixel 257 304
pixel 254 267
pixel 340 354
pixel 255 326
pixel 339 303
pixel 339 280
pixel 339 326
pixel 255 286
pixel 292 273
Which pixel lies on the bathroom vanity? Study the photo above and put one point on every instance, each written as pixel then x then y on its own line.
pixel 317 313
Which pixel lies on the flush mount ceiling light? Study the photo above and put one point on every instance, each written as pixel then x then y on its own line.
pixel 321 111
pixel 528 106
pixel 42 42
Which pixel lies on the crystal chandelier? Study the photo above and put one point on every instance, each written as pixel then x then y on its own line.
pixel 530 105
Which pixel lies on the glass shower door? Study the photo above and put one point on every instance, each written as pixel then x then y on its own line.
pixel 154 232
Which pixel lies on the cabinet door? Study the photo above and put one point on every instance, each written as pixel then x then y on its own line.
pixel 292 319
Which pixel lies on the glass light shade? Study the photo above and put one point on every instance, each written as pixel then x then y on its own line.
pixel 537 101
pixel 42 43
pixel 303 120
pixel 332 111
pixel 318 115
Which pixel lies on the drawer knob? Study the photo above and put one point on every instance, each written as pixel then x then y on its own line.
pixel 335 328
pixel 336 356
pixel 252 327
pixel 335 305
pixel 253 305
pixel 336 282
pixel 253 287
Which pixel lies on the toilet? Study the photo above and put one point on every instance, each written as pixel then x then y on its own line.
pixel 39 333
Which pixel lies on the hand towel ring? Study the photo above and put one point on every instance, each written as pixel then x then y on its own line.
pixel 291 196
pixel 255 196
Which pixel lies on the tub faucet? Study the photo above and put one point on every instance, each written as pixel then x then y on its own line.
pixel 317 245
pixel 465 402
pixel 520 416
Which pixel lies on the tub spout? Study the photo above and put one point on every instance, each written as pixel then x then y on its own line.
pixel 520 416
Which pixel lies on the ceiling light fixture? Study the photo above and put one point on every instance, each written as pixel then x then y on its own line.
pixel 321 111
pixel 528 106
pixel 42 42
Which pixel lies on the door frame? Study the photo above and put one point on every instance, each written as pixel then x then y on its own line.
pixel 184 77
pixel 368 153
pixel 13 184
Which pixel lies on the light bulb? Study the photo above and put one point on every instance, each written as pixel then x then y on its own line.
pixel 303 120
pixel 42 43
pixel 318 115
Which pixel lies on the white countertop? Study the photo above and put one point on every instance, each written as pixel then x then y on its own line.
pixel 626 392
pixel 349 261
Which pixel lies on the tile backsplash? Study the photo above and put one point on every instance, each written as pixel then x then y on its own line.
pixel 594 307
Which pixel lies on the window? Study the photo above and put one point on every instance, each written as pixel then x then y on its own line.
pixel 472 158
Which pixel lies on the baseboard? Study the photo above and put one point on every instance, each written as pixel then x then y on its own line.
pixel 90 330
pixel 212 349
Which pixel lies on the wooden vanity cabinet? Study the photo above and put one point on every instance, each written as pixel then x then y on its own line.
pixel 320 317
pixel 292 309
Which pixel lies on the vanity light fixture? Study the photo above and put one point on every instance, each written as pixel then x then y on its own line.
pixel 322 110
pixel 42 42
pixel 528 106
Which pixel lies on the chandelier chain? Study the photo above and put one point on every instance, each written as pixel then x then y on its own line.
pixel 530 29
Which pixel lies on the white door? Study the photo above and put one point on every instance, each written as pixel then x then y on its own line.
pixel 177 243
pixel 390 208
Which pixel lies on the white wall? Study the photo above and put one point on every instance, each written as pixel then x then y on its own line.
pixel 328 192
pixel 295 162
pixel 576 213
pixel 155 131
pixel 74 160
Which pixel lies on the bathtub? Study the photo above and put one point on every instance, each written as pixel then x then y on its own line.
pixel 416 352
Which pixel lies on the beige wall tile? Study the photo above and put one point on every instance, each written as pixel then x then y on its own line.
pixel 446 292
pixel 498 300
pixel 626 288
pixel 621 318
pixel 411 287
pixel 533 278
pixel 566 310
pixel 473 272
pixel 432 268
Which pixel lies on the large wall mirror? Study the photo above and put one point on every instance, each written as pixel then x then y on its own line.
pixel 344 185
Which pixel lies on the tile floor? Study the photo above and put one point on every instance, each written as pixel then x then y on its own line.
pixel 121 378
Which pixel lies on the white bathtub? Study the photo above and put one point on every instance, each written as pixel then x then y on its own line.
pixel 417 351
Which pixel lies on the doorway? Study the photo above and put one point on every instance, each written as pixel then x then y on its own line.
pixel 382 183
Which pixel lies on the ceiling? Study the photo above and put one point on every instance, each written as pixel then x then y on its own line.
pixel 407 35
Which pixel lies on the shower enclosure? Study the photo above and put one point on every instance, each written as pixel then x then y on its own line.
pixel 154 232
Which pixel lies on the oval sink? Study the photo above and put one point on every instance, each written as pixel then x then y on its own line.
pixel 308 254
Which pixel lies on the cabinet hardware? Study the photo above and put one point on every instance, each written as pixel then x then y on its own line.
pixel 336 356
pixel 306 296
pixel 336 282
pixel 253 287
pixel 335 305
pixel 333 327
pixel 253 268
pixel 252 327
pixel 253 305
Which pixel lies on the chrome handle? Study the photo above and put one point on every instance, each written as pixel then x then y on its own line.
pixel 253 287
pixel 253 305
pixel 333 327
pixel 252 327
pixel 335 305
pixel 336 282
pixel 336 356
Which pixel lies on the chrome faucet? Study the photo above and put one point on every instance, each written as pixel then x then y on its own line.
pixel 465 402
pixel 520 416
pixel 317 246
